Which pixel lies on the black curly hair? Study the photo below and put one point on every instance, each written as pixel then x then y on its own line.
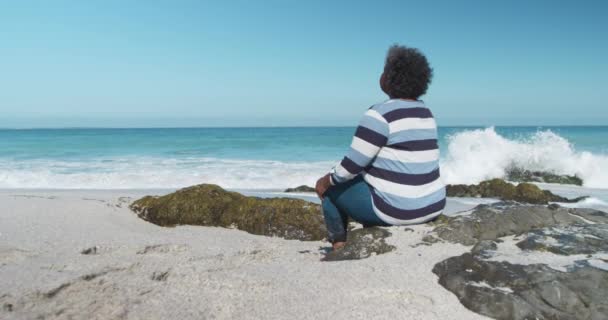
pixel 407 73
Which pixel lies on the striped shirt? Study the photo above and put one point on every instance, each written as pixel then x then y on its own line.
pixel 395 149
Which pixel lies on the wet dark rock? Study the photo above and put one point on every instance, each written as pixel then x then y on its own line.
pixel 502 290
pixel 487 284
pixel 484 247
pixel 361 244
pixel 568 240
pixel 210 205
pixel 302 188
pixel 490 222
pixel 590 215
pixel 520 175
pixel 497 188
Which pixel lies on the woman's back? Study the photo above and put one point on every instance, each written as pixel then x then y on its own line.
pixel 390 175
pixel 395 150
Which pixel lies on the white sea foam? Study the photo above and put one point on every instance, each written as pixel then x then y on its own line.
pixel 471 156
pixel 145 173
pixel 476 155
pixel 591 202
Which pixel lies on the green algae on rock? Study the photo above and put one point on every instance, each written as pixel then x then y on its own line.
pixel 520 175
pixel 498 188
pixel 210 205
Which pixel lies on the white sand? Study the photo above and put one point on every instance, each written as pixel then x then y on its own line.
pixel 200 272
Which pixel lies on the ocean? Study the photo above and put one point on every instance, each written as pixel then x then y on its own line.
pixel 274 158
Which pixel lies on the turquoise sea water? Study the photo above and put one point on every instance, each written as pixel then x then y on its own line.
pixel 268 158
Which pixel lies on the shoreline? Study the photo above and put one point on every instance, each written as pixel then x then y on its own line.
pixel 454 205
pixel 598 196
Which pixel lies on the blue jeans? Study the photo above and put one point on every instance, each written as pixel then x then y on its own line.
pixel 350 199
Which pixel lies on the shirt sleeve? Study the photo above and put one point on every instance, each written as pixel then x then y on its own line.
pixel 371 135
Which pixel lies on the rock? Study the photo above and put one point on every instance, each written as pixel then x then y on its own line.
pixel 361 244
pixel 490 222
pixel 486 282
pixel 568 240
pixel 497 188
pixel 521 175
pixel 484 247
pixel 210 205
pixel 302 188
pixel 502 290
pixel 8 307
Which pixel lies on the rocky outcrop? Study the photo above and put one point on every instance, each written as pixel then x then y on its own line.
pixel 497 188
pixel 302 188
pixel 361 244
pixel 486 282
pixel 568 240
pixel 502 290
pixel 210 205
pixel 490 222
pixel 521 175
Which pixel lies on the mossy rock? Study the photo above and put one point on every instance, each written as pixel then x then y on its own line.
pixel 302 188
pixel 498 188
pixel 210 205
pixel 527 192
pixel 520 175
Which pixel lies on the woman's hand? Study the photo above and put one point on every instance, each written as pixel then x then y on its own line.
pixel 322 185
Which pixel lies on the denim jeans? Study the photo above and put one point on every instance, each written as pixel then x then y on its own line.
pixel 350 199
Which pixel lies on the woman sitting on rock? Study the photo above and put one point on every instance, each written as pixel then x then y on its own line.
pixel 390 175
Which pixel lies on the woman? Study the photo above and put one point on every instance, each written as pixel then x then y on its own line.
pixel 390 175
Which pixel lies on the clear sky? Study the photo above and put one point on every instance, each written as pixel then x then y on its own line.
pixel 290 63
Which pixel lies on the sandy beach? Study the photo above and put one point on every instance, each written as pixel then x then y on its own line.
pixel 85 255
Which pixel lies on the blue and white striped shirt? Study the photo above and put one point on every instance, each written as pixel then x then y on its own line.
pixel 395 149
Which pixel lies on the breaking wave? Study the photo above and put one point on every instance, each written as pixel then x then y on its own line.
pixel 470 156
pixel 476 155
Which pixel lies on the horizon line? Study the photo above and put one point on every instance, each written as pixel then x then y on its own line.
pixel 286 127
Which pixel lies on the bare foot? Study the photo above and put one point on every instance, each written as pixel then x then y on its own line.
pixel 338 245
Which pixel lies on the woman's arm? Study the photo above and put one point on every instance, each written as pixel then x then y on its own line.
pixel 371 135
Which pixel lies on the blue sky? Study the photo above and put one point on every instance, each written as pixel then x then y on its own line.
pixel 292 63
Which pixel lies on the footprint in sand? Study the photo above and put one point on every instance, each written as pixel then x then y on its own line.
pixel 10 255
